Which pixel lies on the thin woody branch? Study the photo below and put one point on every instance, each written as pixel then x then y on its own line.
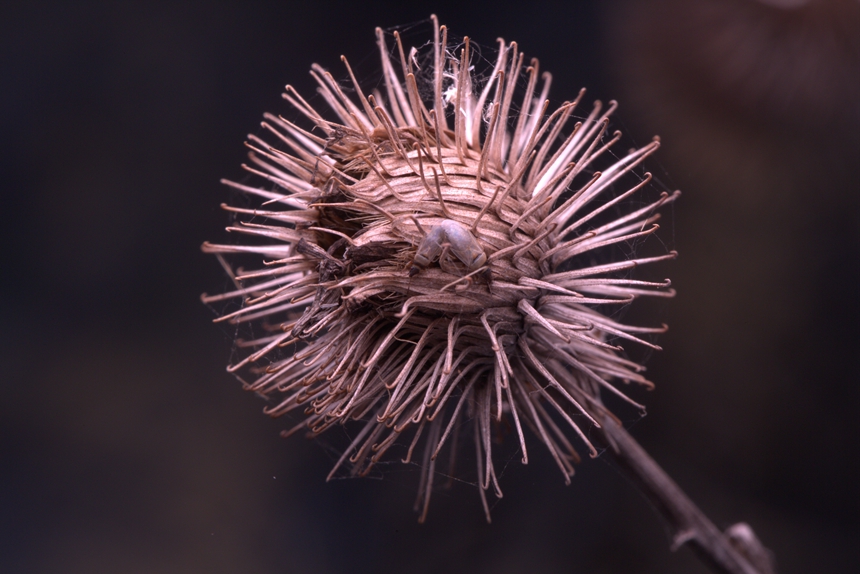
pixel 737 551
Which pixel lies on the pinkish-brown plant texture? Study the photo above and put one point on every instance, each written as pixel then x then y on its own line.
pixel 426 262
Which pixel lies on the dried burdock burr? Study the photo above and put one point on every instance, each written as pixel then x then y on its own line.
pixel 433 262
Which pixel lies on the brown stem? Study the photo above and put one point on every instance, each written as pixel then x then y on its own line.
pixel 737 551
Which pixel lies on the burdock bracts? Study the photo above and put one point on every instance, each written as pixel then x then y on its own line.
pixel 434 261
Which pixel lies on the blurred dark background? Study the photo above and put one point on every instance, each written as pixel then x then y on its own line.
pixel 126 447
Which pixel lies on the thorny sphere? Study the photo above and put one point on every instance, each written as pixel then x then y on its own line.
pixel 414 262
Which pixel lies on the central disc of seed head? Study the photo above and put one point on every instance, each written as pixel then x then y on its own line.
pixel 419 266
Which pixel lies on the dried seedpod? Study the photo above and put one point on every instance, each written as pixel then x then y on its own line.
pixel 440 163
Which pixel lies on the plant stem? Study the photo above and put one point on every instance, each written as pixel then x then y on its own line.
pixel 737 551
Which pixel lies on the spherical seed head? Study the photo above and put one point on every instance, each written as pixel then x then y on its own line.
pixel 417 246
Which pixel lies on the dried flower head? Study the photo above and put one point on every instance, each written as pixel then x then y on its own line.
pixel 418 261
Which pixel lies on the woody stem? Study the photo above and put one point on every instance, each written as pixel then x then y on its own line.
pixel 737 551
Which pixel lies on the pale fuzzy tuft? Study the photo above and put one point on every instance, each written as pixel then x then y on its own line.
pixel 412 352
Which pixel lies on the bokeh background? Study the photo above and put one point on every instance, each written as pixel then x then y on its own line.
pixel 126 447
